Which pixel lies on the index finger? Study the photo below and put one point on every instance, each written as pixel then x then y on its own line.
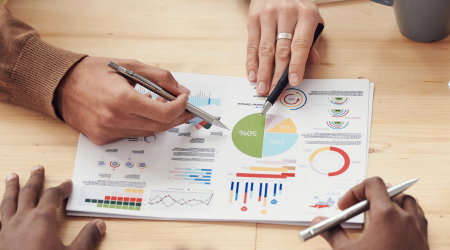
pixel 53 197
pixel 29 195
pixel 301 45
pixel 372 189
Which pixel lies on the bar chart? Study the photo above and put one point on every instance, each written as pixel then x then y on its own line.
pixel 112 198
pixel 266 193
pixel 180 175
pixel 278 170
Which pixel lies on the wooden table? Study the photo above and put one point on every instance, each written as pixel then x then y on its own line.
pixel 411 112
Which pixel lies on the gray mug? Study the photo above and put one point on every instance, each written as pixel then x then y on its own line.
pixel 421 20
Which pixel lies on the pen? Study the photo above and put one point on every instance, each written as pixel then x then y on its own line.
pixel 284 79
pixel 350 212
pixel 165 94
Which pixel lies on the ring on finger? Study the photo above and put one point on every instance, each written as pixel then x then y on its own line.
pixel 285 36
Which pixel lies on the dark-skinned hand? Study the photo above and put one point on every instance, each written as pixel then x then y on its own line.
pixel 397 224
pixel 30 221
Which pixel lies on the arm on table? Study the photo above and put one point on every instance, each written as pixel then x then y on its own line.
pixel 30 69
pixel 81 90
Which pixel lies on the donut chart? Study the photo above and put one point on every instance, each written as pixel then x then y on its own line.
pixel 293 98
pixel 329 161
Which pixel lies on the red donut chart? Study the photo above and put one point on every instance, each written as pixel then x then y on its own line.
pixel 334 149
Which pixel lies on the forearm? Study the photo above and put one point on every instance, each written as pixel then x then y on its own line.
pixel 30 69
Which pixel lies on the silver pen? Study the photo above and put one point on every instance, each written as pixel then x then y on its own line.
pixel 350 212
pixel 165 94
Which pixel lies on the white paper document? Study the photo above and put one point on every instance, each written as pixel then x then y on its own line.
pixel 286 167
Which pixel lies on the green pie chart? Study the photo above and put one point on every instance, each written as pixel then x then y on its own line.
pixel 264 136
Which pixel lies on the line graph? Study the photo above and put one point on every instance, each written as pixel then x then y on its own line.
pixel 181 201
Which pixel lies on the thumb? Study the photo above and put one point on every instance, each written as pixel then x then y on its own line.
pixel 336 237
pixel 90 236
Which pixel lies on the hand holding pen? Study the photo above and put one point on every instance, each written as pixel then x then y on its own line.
pixel 105 107
pixel 285 79
pixel 398 223
pixel 280 33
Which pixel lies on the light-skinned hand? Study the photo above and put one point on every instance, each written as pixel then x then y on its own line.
pixel 103 105
pixel 30 221
pixel 267 58
pixel 397 224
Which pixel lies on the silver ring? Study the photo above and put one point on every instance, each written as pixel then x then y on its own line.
pixel 285 36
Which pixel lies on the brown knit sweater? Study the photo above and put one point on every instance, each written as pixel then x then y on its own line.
pixel 30 69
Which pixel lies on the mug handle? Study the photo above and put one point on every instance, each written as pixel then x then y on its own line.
pixel 385 2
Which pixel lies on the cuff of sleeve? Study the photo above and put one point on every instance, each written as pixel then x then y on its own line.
pixel 37 73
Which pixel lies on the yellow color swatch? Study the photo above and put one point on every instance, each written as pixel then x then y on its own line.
pixel 128 190
pixel 140 191
pixel 134 190
pixel 286 126
pixel 268 169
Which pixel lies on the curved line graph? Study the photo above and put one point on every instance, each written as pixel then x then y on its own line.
pixel 169 201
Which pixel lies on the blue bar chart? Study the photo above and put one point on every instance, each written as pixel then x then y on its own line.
pixel 268 195
pixel 190 175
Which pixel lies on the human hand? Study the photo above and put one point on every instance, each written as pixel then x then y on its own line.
pixel 268 18
pixel 31 222
pixel 397 224
pixel 103 105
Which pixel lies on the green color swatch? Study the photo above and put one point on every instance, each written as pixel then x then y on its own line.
pixel 248 135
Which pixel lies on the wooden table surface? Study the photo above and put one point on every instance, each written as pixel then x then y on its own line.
pixel 411 113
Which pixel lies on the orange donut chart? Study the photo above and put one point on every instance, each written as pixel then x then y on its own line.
pixel 334 149
pixel 293 98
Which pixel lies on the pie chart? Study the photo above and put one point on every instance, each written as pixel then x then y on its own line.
pixel 329 161
pixel 264 136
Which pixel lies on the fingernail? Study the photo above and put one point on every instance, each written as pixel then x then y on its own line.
pixel 67 180
pixel 11 176
pixel 101 226
pixel 388 185
pixel 251 76
pixel 37 167
pixel 261 87
pixel 294 79
pixel 417 200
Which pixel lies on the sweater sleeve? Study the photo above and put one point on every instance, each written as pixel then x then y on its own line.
pixel 30 69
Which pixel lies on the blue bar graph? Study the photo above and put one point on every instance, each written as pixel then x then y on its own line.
pixel 251 190
pixel 281 188
pixel 265 192
pixel 260 191
pixel 274 190
pixel 237 190
pixel 203 101
pixel 193 175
